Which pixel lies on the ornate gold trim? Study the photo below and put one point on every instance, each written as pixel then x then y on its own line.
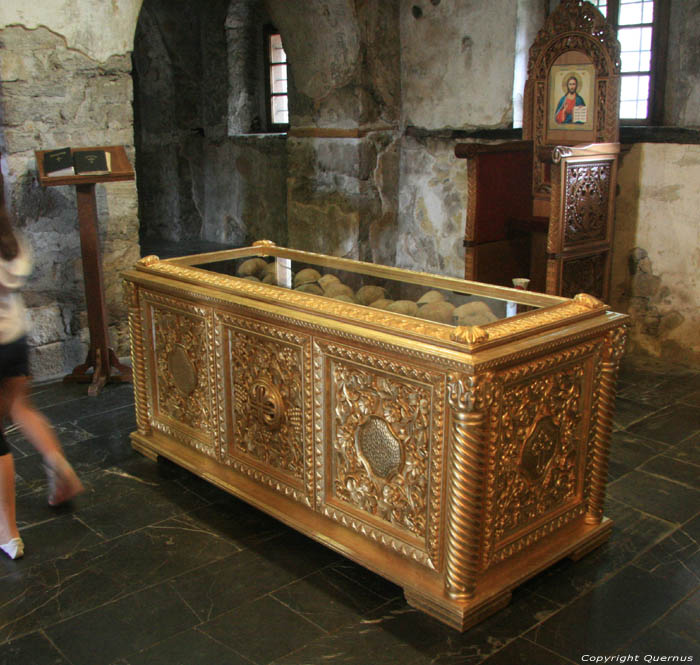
pixel 532 537
pixel 319 431
pixel 263 245
pixel 220 379
pixel 434 332
pixel 588 301
pixel 612 351
pixel 148 261
pixel 264 478
pixel 469 399
pixel 249 311
pixel 138 360
pixel 378 536
pixel 469 334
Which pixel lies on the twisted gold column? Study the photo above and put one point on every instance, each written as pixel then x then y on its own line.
pixel 138 361
pixel 467 461
pixel 613 348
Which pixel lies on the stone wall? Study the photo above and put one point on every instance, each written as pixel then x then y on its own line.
pixel 343 150
pixel 457 69
pixel 682 99
pixel 432 207
pixel 54 95
pixel 201 177
pixel 457 63
pixel 240 190
pixel 342 196
pixel 96 29
pixel 244 35
pixel 332 186
pixel 323 44
pixel 656 271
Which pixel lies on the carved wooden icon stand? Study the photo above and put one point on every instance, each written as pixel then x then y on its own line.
pixel 101 362
pixel 543 207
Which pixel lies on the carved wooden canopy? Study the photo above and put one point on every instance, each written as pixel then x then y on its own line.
pixel 577 43
pixel 574 34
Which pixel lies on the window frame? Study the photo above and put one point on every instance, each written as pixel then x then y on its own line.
pixel 268 32
pixel 657 66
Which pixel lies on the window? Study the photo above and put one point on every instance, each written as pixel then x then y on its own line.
pixel 641 27
pixel 276 79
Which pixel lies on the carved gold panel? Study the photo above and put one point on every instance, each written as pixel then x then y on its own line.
pixel 183 403
pixel 268 384
pixel 540 427
pixel 383 445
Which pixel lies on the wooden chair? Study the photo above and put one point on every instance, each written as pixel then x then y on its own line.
pixel 543 207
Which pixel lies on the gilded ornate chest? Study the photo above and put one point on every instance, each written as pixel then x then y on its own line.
pixel 448 435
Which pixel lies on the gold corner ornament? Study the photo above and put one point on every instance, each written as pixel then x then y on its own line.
pixel 264 243
pixel 469 335
pixel 588 301
pixel 147 261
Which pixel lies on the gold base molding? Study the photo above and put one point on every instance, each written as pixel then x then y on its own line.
pixel 498 584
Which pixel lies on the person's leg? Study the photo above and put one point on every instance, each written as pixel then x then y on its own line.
pixel 63 481
pixel 10 542
pixel 34 425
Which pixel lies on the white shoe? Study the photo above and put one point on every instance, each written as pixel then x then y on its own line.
pixel 14 548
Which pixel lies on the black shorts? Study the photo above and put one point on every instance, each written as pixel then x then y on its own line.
pixel 14 361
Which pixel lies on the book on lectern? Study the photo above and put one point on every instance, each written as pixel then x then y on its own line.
pixel 58 162
pixel 65 161
pixel 91 162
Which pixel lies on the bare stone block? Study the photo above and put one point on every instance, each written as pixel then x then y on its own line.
pixel 47 361
pixel 46 325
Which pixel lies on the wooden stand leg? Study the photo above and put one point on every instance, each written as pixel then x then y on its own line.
pixel 101 373
pixel 100 358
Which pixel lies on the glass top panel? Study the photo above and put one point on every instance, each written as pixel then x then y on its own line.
pixel 404 294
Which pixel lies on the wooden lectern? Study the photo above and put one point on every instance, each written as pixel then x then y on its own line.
pixel 100 358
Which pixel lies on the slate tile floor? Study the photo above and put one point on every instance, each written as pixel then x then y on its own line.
pixel 152 565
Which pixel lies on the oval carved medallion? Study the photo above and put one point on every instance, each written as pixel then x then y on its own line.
pixel 539 449
pixel 379 447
